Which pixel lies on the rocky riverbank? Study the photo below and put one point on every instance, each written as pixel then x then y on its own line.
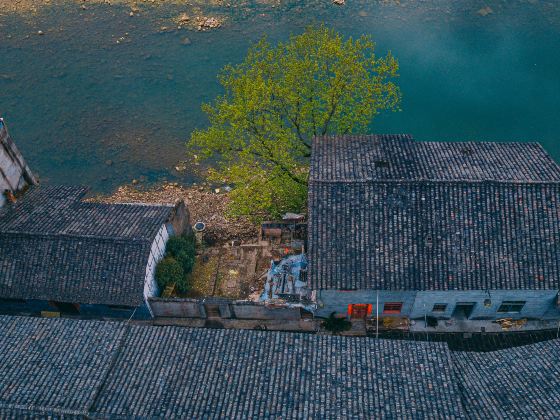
pixel 204 205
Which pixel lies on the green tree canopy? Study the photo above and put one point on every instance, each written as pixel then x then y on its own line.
pixel 277 100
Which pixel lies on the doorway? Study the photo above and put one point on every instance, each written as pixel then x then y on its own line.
pixel 463 310
pixel 212 311
pixel 66 308
pixel 359 310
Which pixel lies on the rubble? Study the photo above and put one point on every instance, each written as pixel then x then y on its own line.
pixel 200 23
pixel 205 23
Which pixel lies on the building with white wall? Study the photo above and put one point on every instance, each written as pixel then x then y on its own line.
pixel 59 253
pixel 458 233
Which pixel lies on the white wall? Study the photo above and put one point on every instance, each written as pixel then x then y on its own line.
pixel 14 173
pixel 156 254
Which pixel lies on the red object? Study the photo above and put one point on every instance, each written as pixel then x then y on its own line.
pixel 359 310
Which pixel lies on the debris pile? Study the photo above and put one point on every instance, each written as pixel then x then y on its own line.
pixel 205 23
pixel 509 323
pixel 200 23
pixel 286 282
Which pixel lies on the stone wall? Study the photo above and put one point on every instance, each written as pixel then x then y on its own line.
pixel 15 175
pixel 220 308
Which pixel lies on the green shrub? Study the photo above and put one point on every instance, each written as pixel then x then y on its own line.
pixel 186 260
pixel 183 286
pixel 182 248
pixel 169 271
pixel 180 254
pixel 336 325
pixel 178 244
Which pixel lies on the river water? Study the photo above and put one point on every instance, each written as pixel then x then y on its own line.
pixel 103 97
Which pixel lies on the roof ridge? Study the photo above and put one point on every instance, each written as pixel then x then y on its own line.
pixel 74 236
pixel 431 181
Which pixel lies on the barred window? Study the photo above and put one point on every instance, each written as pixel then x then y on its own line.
pixel 392 308
pixel 511 306
pixel 439 307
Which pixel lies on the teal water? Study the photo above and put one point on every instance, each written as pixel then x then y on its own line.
pixel 86 109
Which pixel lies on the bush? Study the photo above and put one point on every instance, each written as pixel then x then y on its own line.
pixel 186 260
pixel 179 254
pixel 169 271
pixel 182 248
pixel 336 325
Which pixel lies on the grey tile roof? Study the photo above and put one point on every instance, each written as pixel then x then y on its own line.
pixel 204 373
pixel 53 366
pixel 432 234
pixel 60 211
pixel 120 371
pixel 399 157
pixel 516 383
pixel 54 246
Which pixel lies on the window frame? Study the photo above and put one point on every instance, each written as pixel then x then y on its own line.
pixel 509 304
pixel 390 311
pixel 445 305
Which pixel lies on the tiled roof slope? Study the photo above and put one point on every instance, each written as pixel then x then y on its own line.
pixel 399 157
pixel 434 236
pixel 73 269
pixel 437 233
pixel 54 246
pixel 53 366
pixel 173 372
pixel 203 373
pixel 60 211
pixel 516 383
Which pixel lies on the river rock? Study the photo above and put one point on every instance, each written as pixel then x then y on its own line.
pixel 485 11
pixel 186 41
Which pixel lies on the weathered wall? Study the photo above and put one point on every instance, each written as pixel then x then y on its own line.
pixel 539 303
pixel 259 311
pixel 15 175
pixel 180 220
pixel 338 300
pixel 35 307
pixel 194 308
pixel 177 308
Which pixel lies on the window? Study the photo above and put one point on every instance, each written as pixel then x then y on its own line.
pixel 120 307
pixel 66 308
pixel 439 307
pixel 381 164
pixel 392 307
pixel 511 306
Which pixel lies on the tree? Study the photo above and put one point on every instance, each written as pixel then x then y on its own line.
pixel 277 100
pixel 336 325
